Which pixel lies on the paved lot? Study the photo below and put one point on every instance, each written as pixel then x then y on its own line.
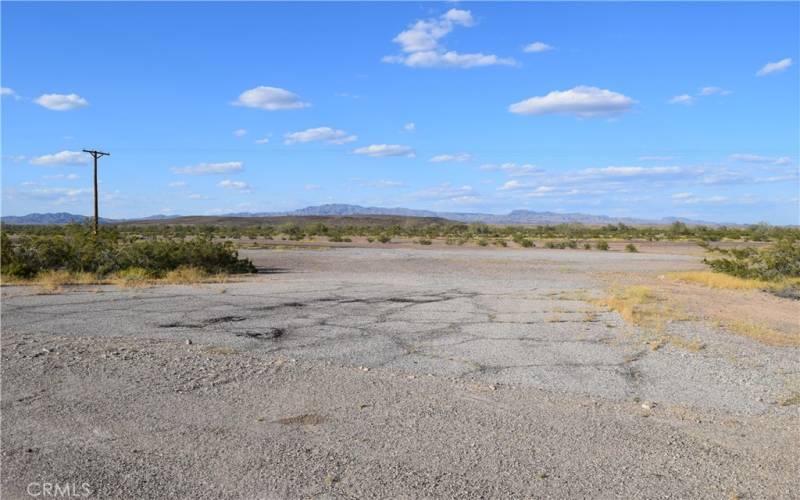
pixel 375 372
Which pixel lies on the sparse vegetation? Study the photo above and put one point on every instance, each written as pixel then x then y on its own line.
pixel 75 252
pixel 630 247
pixel 776 262
pixel 601 245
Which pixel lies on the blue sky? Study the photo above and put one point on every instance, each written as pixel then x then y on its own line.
pixel 642 110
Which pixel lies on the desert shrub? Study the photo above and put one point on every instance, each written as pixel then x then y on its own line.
pixel 423 241
pixel 587 246
pixel 370 239
pixel 76 251
pixel 384 238
pixel 601 245
pixel 483 242
pixel 501 243
pixel 780 260
pixel 526 243
pixel 630 247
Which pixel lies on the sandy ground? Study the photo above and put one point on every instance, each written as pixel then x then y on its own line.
pixel 390 372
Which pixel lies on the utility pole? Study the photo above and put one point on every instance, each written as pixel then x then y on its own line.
pixel 95 155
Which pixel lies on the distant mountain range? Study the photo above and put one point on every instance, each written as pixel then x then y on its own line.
pixel 516 217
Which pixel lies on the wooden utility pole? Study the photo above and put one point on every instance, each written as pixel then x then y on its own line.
pixel 95 155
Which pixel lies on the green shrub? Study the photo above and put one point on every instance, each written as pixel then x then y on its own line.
pixel 384 238
pixel 526 243
pixel 601 245
pixel 778 261
pixel 77 251
pixel 483 242
pixel 630 247
pixel 587 246
pixel 423 241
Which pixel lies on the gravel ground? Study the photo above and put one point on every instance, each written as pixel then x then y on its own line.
pixel 389 373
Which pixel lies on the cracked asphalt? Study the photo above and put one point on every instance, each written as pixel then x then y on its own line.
pixel 389 373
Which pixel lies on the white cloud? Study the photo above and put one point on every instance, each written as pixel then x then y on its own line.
pixel 312 187
pixel 240 132
pixel 537 47
pixel 197 196
pixel 326 134
pixel 634 171
pixel 581 101
pixel 714 90
pixel 691 199
pixel 62 158
pixel 270 99
pixel 380 150
pixel 447 192
pixel 5 91
pixel 178 184
pixel 237 185
pixel 263 140
pixel 383 184
pixel 685 99
pixel 410 127
pixel 61 102
pixel 458 157
pixel 210 168
pixel 69 177
pixel 774 67
pixel 751 158
pixel 512 169
pixel 512 185
pixel 421 48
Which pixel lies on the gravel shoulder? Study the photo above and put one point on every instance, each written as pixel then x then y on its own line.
pixel 389 373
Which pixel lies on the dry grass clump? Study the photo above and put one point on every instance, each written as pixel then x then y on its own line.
pixel 718 280
pixel 132 277
pixel 789 399
pixel 763 334
pixel 52 281
pixel 634 303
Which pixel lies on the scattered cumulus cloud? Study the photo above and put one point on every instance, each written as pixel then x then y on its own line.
pixel 382 150
pixel 178 184
pixel 380 184
pixel 656 158
pixel 774 67
pixel 512 169
pixel 581 101
pixel 210 168
pixel 634 171
pixel 240 132
pixel 770 160
pixel 689 99
pixel 421 47
pixel 448 192
pixel 263 140
pixel 325 134
pixel 270 99
pixel 8 92
pixel 236 185
pixel 61 102
pixel 684 99
pixel 458 157
pixel 410 127
pixel 691 199
pixel 68 177
pixel 537 47
pixel 61 158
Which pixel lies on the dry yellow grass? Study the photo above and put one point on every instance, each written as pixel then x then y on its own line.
pixel 763 334
pixel 724 281
pixel 52 281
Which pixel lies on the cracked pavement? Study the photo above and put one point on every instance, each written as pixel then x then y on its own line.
pixel 388 372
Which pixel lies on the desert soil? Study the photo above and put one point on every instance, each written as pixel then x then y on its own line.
pixel 391 372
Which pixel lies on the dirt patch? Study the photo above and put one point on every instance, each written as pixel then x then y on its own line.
pixel 306 419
